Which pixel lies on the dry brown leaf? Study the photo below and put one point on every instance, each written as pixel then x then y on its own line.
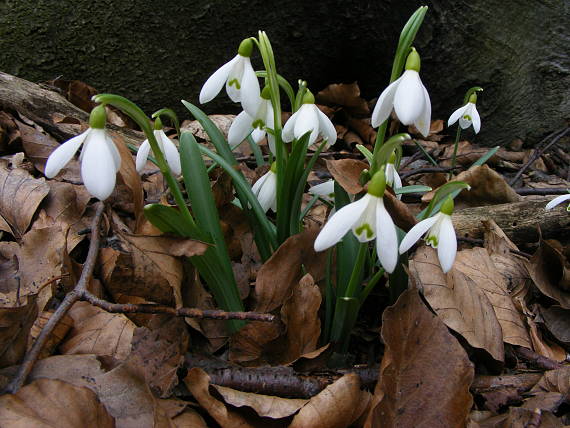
pixel 249 343
pixel 346 172
pixel 128 399
pixel 264 405
pixel 98 332
pixel 458 302
pixel 467 154
pixel 78 370
pixel 550 273
pixel 543 346
pixel 146 266
pixel 21 194
pixel 222 121
pixel 400 212
pixel 345 95
pixel 487 188
pixel 190 418
pixel 197 381
pixel 161 348
pixel 549 401
pixel 554 381
pixel 425 373
pixel 53 403
pixel 15 324
pixel 282 271
pixel 557 322
pixel 337 406
pixel 300 313
pixel 56 336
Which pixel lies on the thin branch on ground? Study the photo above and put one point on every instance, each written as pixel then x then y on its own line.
pixel 537 360
pixel 80 293
pixel 525 191
pixel 556 136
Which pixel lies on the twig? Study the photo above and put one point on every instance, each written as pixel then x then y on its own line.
pixel 524 191
pixel 556 136
pixel 80 293
pixel 128 308
pixel 72 297
pixel 537 360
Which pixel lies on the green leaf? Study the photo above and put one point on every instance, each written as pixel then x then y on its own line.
pixel 367 153
pixel 407 37
pixel 171 115
pixel 412 189
pixel 169 220
pixel 452 188
pixel 471 91
pixel 486 156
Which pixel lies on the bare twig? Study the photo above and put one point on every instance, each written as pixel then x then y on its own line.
pixel 556 136
pixel 128 308
pixel 524 191
pixel 537 360
pixel 72 297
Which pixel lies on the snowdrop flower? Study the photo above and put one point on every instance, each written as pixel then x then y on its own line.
pixel 240 80
pixel 244 124
pixel 324 190
pixel 167 147
pixel 265 189
pixel 100 159
pixel 408 96
pixel 558 200
pixel 467 115
pixel 440 234
pixel 392 177
pixel 368 219
pixel 309 118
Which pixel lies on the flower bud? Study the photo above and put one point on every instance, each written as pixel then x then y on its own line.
pixel 413 62
pixel 98 117
pixel 245 48
pixel 377 184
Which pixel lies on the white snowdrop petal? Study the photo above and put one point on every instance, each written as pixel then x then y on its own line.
pixel 171 154
pixel 234 82
pixel 365 227
pixel 307 121
pixel 216 81
pixel 409 99
pixel 63 154
pixel 476 119
pixel 259 183
pixel 447 245
pixel 268 191
pixel 386 239
pixel 423 122
pixel 339 224
pixel 324 189
pixel 416 233
pixel 456 115
pixel 257 135
pixel 98 169
pixel 326 128
pixel 385 104
pixel 115 152
pixel 288 132
pixel 142 156
pixel 249 92
pixel 556 201
pixel 240 129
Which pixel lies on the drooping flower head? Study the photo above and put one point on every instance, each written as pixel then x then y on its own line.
pixel 262 120
pixel 240 80
pixel 467 115
pixel 100 159
pixel 167 147
pixel 368 219
pixel 558 200
pixel 265 189
pixel 324 190
pixel 439 233
pixel 408 97
pixel 392 177
pixel 309 118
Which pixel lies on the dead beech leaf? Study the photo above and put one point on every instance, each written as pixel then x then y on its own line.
pixel 337 406
pixel 554 381
pixel 161 348
pixel 222 121
pixel 128 398
pixel 197 381
pixel 458 302
pixel 78 370
pixel 400 212
pixel 415 388
pixel 53 403
pixel 15 324
pixel 190 418
pixel 346 172
pixel 249 343
pixel 557 322
pixel 282 271
pixel 487 188
pixel 264 405
pixel 98 332
pixel 300 313
pixel 345 95
pixel 21 194
pixel 467 154
pixel 550 273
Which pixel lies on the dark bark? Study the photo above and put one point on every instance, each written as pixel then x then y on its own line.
pixel 158 53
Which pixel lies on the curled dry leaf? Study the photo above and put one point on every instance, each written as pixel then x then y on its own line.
pixel 415 389
pixel 98 332
pixel 337 406
pixel 300 313
pixel 551 274
pixel 557 322
pixel 400 212
pixel 190 418
pixel 128 398
pixel 53 403
pixel 282 271
pixel 458 302
pixel 161 348
pixel 345 95
pixel 249 343
pixel 346 172
pixel 197 381
pixel 487 188
pixel 554 381
pixel 146 266
pixel 21 194
pixel 264 405
pixel 222 121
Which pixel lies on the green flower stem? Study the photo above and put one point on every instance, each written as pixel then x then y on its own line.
pixel 370 286
pixel 256 151
pixel 426 154
pixel 355 278
pixel 135 113
pixel 455 145
pixel 283 83
pixel 310 204
pixel 329 298
pixel 171 115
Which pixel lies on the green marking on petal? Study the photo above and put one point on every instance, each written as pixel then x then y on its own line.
pixel 467 117
pixel 568 208
pixel 258 123
pixel 235 82
pixel 365 227
pixel 432 241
